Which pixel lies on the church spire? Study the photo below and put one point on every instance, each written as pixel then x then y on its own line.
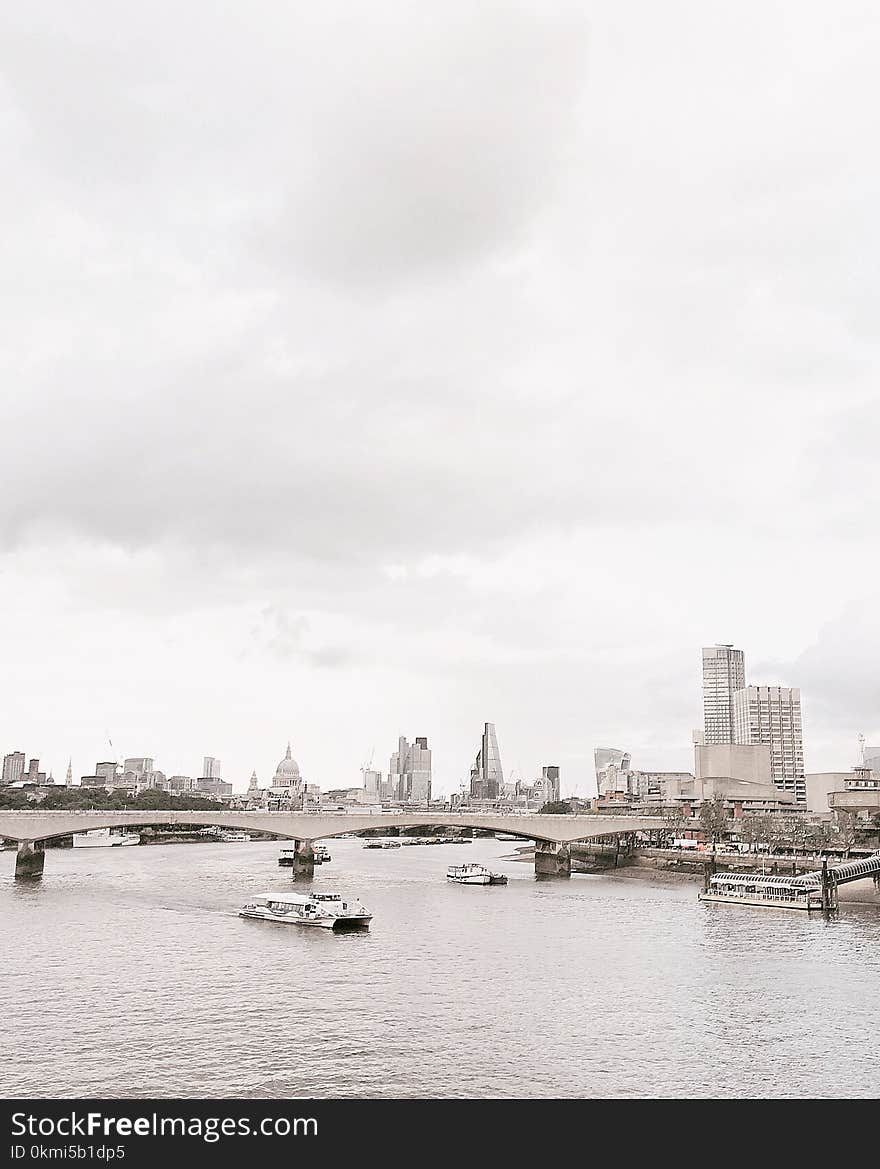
pixel 287 756
pixel 69 779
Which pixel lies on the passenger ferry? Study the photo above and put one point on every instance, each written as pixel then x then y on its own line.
pixel 758 889
pixel 233 834
pixel 384 843
pixel 104 838
pixel 474 874
pixel 326 910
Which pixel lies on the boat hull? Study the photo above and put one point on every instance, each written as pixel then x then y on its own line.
pixel 82 841
pixel 761 902
pixel 476 879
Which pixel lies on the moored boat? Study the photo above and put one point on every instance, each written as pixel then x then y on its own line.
pixel 474 874
pixel 769 892
pixel 325 910
pixel 104 838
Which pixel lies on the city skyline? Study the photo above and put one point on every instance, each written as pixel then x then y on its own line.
pixel 584 784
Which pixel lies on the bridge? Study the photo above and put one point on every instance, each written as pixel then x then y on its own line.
pixel 552 834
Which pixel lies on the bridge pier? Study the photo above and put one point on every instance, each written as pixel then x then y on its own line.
pixel 303 861
pixel 552 859
pixel 30 859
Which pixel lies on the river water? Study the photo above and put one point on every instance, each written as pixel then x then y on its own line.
pixel 127 972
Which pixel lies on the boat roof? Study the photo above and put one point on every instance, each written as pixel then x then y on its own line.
pixel 299 898
pixel 757 879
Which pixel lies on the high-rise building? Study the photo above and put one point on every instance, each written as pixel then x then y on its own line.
pixel 772 715
pixel 613 774
pixel 409 771
pixel 724 672
pixel 372 784
pixel 211 767
pixel 33 771
pixel 13 767
pixel 487 776
pixel 550 774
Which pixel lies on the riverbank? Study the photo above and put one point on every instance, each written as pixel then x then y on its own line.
pixel 671 866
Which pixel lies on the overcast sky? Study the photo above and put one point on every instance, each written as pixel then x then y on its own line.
pixel 379 369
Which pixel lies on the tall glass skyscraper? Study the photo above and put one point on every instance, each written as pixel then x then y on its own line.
pixel 487 776
pixel 724 672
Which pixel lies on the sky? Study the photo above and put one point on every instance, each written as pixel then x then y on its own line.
pixel 378 370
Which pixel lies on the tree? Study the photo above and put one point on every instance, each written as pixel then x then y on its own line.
pixel 675 820
pixel 713 818
pixel 557 808
pixel 845 824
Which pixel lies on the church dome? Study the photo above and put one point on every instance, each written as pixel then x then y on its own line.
pixel 288 768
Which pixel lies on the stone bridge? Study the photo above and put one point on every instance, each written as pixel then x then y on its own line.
pixel 552 834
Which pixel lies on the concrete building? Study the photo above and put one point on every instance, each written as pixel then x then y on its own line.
pixel 487 775
pixel 749 762
pixel 820 785
pixel 13 767
pixel 409 771
pixel 724 673
pixel 772 715
pixel 211 767
pixel 739 795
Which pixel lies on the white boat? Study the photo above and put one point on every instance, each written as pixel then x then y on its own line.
pixel 474 874
pixel 233 834
pixel 287 855
pixel 104 838
pixel 326 910
pixel 508 836
pixel 771 892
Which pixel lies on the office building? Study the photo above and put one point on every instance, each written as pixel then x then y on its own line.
pixel 772 715
pixel 409 771
pixel 487 775
pixel 372 784
pixel 13 767
pixel 724 673
pixel 211 767
pixel 613 774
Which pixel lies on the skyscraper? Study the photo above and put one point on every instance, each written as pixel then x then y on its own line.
pixel 211 768
pixel 409 771
pixel 487 776
pixel 724 672
pixel 772 715
pixel 550 773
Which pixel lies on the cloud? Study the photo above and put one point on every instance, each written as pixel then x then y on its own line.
pixel 509 349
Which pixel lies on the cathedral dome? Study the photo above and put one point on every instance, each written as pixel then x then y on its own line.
pixel 288 768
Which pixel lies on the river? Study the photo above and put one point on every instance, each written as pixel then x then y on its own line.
pixel 127 972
